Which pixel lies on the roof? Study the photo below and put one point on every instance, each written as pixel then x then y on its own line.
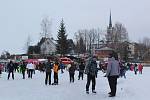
pixel 105 49
pixel 43 39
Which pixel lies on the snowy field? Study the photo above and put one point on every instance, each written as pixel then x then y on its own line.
pixel 134 87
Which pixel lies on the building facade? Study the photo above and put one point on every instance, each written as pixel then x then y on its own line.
pixel 47 46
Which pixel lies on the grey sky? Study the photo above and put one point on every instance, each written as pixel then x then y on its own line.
pixel 20 18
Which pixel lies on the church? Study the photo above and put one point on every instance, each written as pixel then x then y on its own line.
pixel 104 49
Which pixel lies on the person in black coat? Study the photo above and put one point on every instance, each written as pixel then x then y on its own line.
pixel 48 70
pixel 91 71
pixel 23 69
pixel 10 68
pixel 81 70
pixel 135 68
pixel 16 68
pixel 1 67
pixel 71 73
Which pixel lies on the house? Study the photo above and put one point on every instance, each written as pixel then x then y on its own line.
pixel 47 46
pixel 103 52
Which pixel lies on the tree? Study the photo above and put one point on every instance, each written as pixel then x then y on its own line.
pixel 146 42
pixel 62 45
pixel 143 49
pixel 5 55
pixel 33 50
pixel 28 44
pixel 71 46
pixel 124 51
pixel 117 34
pixel 90 37
pixel 80 36
pixel 80 46
pixel 120 33
pixel 46 28
pixel 117 38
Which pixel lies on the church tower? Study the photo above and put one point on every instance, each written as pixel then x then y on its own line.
pixel 110 21
pixel 110 29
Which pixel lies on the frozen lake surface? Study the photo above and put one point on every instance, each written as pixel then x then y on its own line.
pixel 134 87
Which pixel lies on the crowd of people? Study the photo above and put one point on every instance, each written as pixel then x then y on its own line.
pixel 113 70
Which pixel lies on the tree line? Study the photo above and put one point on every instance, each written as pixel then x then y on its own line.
pixel 85 39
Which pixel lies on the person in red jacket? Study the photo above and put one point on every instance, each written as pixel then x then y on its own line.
pixel 131 67
pixel 140 68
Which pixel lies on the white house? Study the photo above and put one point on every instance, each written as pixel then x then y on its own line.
pixel 47 46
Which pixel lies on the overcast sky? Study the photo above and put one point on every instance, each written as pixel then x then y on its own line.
pixel 20 18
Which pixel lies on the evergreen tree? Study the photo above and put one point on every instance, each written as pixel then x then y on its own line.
pixel 62 45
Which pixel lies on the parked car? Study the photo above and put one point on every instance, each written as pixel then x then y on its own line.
pixel 66 60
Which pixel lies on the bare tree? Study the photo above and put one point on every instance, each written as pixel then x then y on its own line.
pixel 28 43
pixel 46 28
pixel 80 41
pixel 117 33
pixel 90 37
pixel 118 39
pixel 5 55
pixel 120 33
pixel 146 42
pixel 144 49
pixel 78 35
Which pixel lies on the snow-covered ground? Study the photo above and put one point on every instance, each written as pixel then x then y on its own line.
pixel 134 87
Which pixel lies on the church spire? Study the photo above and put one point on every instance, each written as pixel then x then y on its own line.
pixel 110 21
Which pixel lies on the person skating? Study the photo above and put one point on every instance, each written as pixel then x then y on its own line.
pixel 41 67
pixel 135 69
pixel 81 70
pixel 71 72
pixel 48 67
pixel 55 70
pixel 113 71
pixel 131 67
pixel 128 66
pixel 140 68
pixel 123 70
pixel 23 69
pixel 1 67
pixel 11 69
pixel 91 71
pixel 16 67
pixel 30 67
pixel 62 66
